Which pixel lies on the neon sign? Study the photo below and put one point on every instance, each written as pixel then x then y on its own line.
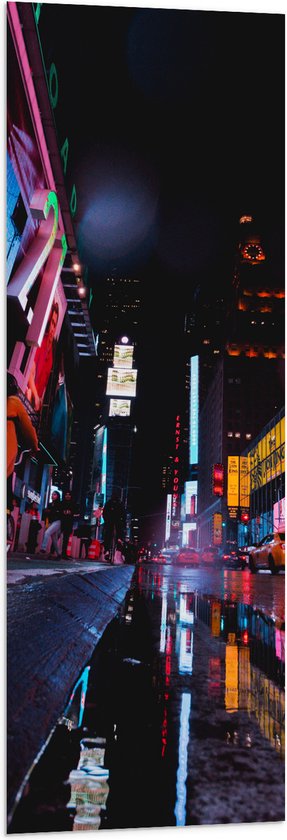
pixel 176 474
pixel 193 447
pixel 53 86
pixel 44 207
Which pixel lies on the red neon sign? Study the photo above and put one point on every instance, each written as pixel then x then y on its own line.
pixel 217 479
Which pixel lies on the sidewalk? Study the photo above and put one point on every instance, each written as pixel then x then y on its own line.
pixel 56 615
pixel 21 565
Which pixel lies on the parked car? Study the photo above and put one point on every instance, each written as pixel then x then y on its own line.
pixel 187 556
pixel 210 555
pixel 269 553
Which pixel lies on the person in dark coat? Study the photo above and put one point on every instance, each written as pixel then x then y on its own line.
pixel 67 520
pixel 34 527
pixel 53 513
pixel 114 517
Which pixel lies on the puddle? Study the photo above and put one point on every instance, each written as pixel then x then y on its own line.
pixel 178 719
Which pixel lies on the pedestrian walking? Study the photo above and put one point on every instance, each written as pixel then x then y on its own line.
pixel 53 513
pixel 119 558
pixel 114 517
pixel 67 520
pixel 34 528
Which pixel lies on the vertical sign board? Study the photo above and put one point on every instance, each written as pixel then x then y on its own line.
pixel 175 508
pixel 104 466
pixel 244 496
pixel 231 676
pixel 193 440
pixel 217 529
pixel 215 618
pixel 167 518
pixel 233 481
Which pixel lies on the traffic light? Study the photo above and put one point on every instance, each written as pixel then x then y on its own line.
pixel 244 517
pixel 217 479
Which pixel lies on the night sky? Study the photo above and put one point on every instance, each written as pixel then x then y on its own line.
pixel 175 121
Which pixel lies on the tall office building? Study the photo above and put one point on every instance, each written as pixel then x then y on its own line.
pixel 117 320
pixel 247 388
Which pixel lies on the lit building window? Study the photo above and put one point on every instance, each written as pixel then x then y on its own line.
pixel 248 436
pixel 237 434
pixel 230 434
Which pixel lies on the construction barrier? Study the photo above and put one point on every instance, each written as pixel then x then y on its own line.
pixel 73 548
pixel 94 550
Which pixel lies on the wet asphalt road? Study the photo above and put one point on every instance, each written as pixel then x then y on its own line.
pixel 186 692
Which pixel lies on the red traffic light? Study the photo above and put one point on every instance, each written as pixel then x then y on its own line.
pixel 244 517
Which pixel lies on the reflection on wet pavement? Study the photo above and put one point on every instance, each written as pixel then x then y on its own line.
pixel 180 715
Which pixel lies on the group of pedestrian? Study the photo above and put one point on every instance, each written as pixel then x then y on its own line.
pixel 59 514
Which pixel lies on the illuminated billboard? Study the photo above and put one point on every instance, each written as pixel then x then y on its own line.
pixel 233 481
pixel 190 498
pixel 121 382
pixel 187 529
pixel 168 517
pixel 123 356
pixel 120 408
pixel 193 429
pixel 267 458
pixel 279 515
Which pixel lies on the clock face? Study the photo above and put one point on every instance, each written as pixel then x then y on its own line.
pixel 252 252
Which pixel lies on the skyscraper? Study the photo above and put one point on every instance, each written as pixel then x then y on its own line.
pixel 247 388
pixel 117 319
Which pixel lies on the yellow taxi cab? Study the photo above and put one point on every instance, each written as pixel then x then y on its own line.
pixel 269 553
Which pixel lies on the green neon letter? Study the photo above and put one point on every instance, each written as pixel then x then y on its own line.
pixel 37 11
pixel 53 85
pixel 73 201
pixel 64 154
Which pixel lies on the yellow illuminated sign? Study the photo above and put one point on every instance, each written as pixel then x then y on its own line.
pixel 233 481
pixel 231 677
pixel 267 459
pixel 244 496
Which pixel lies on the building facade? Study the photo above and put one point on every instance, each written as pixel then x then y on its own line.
pixel 45 280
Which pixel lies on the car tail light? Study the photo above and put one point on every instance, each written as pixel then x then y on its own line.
pixel 225 556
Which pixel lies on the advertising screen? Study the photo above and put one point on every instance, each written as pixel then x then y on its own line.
pixel 190 498
pixel 43 363
pixel 120 408
pixel 123 355
pixel 62 416
pixel 168 516
pixel 279 515
pixel 233 481
pixel 121 382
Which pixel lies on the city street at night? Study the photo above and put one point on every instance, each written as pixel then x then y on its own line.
pixel 185 697
pixel 145 444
